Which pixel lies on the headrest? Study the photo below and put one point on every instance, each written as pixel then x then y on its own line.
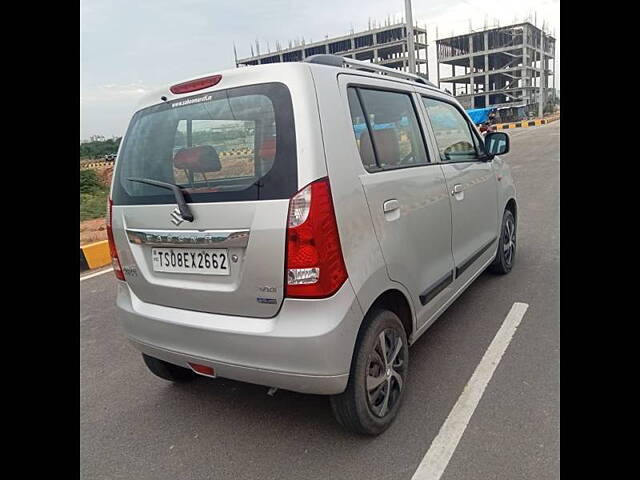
pixel 268 148
pixel 366 151
pixel 198 159
pixel 387 147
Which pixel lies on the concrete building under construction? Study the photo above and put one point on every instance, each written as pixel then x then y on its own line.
pixel 387 46
pixel 504 66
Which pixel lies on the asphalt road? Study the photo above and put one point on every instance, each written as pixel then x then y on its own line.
pixel 136 426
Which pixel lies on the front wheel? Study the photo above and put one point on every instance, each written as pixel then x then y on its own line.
pixel 378 376
pixel 506 254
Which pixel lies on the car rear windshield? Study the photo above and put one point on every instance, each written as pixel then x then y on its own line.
pixel 229 145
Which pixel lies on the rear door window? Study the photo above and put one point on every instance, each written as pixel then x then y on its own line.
pixel 229 145
pixel 390 118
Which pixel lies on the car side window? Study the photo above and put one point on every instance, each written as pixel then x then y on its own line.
pixel 456 142
pixel 386 129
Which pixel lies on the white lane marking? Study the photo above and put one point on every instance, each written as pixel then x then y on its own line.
pixel 96 274
pixel 437 457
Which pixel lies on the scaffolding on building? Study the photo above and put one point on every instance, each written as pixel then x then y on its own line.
pixel 501 67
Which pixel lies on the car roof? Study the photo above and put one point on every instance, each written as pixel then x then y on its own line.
pixel 159 95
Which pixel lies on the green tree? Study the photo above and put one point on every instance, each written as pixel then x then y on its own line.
pixel 99 149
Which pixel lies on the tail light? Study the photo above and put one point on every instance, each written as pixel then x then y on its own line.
pixel 115 261
pixel 314 263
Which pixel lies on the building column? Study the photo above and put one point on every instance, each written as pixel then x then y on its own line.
pixel 543 85
pixel 404 57
pixel 523 70
pixel 486 70
pixel 426 53
pixel 471 67
pixel 554 74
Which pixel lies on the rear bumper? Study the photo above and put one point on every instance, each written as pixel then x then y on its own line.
pixel 306 348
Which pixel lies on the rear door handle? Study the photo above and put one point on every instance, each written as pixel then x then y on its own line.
pixel 390 205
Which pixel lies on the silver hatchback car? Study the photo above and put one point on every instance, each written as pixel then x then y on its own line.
pixel 299 225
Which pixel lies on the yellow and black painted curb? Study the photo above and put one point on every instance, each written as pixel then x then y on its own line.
pixel 94 255
pixel 527 123
pixel 230 153
pixel 88 165
pixel 236 151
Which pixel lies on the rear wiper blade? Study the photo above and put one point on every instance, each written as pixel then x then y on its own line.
pixel 177 192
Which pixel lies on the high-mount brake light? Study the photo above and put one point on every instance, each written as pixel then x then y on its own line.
pixel 193 85
pixel 314 264
pixel 115 260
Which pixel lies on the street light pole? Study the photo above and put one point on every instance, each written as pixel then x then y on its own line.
pixel 410 43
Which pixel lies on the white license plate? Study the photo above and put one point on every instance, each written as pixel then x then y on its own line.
pixel 204 261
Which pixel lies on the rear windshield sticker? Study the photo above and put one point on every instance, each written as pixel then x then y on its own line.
pixel 189 101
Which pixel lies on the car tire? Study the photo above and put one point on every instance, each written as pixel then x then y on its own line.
pixel 376 383
pixel 506 254
pixel 168 371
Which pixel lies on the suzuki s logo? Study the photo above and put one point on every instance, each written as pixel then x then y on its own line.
pixel 176 217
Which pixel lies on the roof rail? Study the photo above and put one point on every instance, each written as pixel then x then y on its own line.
pixel 343 62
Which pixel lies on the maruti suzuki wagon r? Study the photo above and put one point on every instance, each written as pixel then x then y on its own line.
pixel 299 225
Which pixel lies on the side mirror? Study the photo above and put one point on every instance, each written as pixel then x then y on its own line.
pixel 496 143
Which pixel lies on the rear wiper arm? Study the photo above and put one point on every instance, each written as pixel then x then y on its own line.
pixel 177 192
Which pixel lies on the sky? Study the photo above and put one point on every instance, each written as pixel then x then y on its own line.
pixel 128 48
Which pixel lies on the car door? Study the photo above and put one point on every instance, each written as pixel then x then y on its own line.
pixel 471 183
pixel 406 193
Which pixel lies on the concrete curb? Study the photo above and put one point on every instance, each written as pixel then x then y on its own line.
pixel 94 255
pixel 527 123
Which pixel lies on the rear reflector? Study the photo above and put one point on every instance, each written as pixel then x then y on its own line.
pixel 314 264
pixel 115 260
pixel 199 84
pixel 202 369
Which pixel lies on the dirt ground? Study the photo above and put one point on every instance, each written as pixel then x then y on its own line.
pixel 96 230
pixel 93 231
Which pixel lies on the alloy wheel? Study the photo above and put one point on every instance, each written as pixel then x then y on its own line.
pixel 509 241
pixel 385 372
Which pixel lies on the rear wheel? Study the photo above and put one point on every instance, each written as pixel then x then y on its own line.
pixel 506 255
pixel 378 376
pixel 168 371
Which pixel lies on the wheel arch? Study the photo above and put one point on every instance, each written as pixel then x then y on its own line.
pixel 512 206
pixel 396 301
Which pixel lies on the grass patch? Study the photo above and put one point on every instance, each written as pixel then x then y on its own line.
pixel 93 196
pixel 93 205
